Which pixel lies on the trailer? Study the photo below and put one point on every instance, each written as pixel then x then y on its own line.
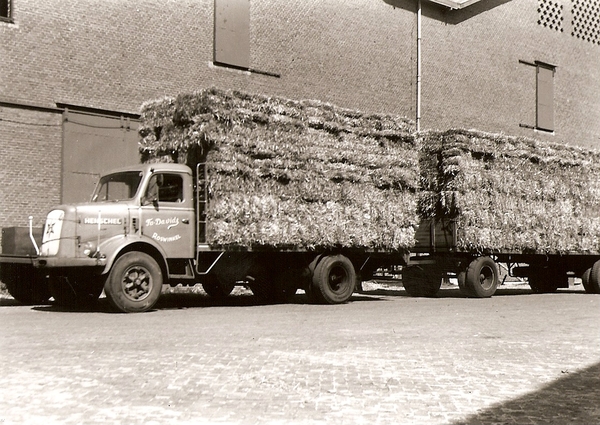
pixel 488 198
pixel 437 255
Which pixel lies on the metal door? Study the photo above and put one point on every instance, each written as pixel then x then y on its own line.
pixel 94 144
pixel 167 214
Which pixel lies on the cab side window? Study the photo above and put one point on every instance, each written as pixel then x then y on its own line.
pixel 165 188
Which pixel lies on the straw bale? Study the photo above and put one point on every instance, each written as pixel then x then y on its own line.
pixel 297 174
pixel 512 194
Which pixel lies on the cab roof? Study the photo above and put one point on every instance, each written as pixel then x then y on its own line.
pixel 158 166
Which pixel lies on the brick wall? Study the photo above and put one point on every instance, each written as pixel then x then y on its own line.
pixel 361 54
pixel 30 164
pixel 116 54
pixel 473 78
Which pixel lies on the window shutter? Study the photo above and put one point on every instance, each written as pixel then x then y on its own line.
pixel 232 33
pixel 545 98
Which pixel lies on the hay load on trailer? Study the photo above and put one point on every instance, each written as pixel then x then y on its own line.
pixel 512 193
pixel 515 198
pixel 287 174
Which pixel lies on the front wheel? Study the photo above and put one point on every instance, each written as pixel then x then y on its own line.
pixel 334 279
pixel 134 283
pixel 480 280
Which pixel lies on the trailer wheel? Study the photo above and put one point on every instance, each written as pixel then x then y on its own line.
pixel 25 284
pixel 480 280
pixel 134 283
pixel 215 289
pixel 334 279
pixel 585 280
pixel 594 281
pixel 421 282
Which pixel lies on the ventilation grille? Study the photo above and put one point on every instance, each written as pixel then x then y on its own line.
pixel 550 15
pixel 586 20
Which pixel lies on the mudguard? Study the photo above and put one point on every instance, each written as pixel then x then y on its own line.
pixel 112 248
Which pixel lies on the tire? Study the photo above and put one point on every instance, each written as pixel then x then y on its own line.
pixel 134 283
pixel 480 280
pixel 421 282
pixel 585 280
pixel 75 290
pixel 594 281
pixel 215 289
pixel 333 280
pixel 25 284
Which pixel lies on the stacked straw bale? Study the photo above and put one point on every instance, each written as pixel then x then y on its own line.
pixel 292 174
pixel 511 194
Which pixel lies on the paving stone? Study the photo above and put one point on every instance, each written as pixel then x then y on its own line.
pixel 383 358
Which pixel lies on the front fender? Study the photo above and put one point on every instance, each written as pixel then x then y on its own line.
pixel 113 247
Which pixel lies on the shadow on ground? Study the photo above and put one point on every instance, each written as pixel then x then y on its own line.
pixel 190 298
pixel 573 399
pixel 452 291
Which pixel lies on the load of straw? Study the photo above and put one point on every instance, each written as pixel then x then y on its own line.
pixel 291 174
pixel 512 194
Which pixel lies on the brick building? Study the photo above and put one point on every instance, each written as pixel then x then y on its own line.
pixel 73 74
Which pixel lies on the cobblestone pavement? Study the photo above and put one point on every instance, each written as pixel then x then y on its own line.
pixel 383 358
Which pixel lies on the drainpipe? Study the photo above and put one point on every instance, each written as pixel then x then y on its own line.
pixel 418 118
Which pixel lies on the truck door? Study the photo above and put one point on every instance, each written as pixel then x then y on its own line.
pixel 167 213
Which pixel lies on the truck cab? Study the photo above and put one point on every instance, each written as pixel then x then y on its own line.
pixel 137 231
pixel 151 204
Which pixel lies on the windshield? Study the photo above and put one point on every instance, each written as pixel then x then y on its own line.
pixel 117 187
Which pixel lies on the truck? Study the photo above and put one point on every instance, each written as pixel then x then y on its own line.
pixel 145 227
pixel 280 195
pixel 232 189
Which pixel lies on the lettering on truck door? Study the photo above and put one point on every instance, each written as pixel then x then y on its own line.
pixel 167 215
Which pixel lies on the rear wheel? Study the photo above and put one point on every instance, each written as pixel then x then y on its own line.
pixel 134 283
pixel 480 280
pixel 594 279
pixel 585 280
pixel 334 279
pixel 25 283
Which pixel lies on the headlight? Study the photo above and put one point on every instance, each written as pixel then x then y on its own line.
pixel 90 249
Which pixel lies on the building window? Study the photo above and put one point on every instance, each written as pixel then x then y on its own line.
pixel 232 33
pixel 6 10
pixel 544 96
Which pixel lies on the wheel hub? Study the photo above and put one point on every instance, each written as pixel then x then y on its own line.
pixel 337 277
pixel 486 278
pixel 137 283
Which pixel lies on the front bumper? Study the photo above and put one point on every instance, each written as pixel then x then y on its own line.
pixel 51 262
